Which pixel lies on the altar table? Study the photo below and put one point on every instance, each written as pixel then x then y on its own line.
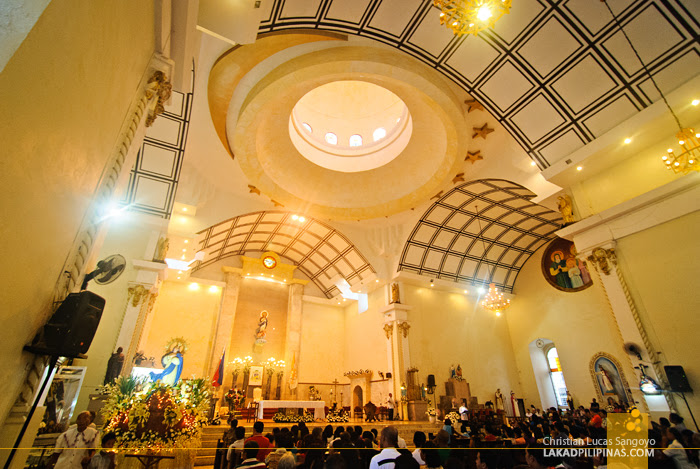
pixel 318 406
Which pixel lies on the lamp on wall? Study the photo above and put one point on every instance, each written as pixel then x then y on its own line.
pixel 689 140
pixel 471 16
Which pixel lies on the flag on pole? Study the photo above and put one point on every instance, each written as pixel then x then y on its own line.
pixel 219 373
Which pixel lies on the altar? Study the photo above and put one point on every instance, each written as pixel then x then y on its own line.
pixel 318 406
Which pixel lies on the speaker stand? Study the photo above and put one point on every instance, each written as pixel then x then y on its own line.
pixel 53 360
pixel 691 412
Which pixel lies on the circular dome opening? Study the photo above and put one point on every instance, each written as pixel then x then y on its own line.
pixel 369 125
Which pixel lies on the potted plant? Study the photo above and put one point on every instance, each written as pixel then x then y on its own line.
pixel 432 413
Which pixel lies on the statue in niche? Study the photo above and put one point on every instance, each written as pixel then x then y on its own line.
pixel 161 249
pixel 566 209
pixel 261 331
pixel 395 298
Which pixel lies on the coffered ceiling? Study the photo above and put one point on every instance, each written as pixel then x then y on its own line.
pixel 556 74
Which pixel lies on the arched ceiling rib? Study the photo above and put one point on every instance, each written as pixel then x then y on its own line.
pixel 556 74
pixel 479 232
pixel 319 251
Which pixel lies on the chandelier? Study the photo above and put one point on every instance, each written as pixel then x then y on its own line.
pixel 688 139
pixel 471 16
pixel 494 300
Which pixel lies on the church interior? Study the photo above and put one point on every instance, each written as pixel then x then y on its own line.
pixel 351 200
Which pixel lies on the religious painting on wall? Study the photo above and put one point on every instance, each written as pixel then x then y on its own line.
pixel 610 383
pixel 256 376
pixel 563 269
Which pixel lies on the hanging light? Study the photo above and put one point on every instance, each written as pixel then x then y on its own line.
pixel 688 139
pixel 494 300
pixel 471 16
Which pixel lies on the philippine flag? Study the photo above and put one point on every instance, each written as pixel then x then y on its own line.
pixel 219 373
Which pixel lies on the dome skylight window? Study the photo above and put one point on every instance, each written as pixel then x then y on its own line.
pixel 379 134
pixel 307 127
pixel 355 140
pixel 331 138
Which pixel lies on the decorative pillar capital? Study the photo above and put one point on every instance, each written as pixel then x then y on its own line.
pixel 159 87
pixel 388 330
pixel 403 327
pixel 602 259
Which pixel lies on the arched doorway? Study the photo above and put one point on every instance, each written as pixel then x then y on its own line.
pixel 357 401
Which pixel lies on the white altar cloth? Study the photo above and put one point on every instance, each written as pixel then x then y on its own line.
pixel 318 406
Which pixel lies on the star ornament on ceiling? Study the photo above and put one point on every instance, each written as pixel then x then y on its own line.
pixel 459 177
pixel 277 204
pixel 473 156
pixel 253 190
pixel 437 196
pixel 473 105
pixel 482 131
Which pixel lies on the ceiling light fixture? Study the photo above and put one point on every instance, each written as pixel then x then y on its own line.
pixel 628 141
pixel 494 300
pixel 689 140
pixel 471 16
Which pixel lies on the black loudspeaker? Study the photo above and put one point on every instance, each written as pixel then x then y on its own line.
pixel 431 380
pixel 72 327
pixel 677 378
pixel 388 375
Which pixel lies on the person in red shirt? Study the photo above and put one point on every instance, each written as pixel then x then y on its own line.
pixel 596 420
pixel 262 442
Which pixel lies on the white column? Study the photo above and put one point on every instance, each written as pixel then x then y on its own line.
pixel 225 324
pixel 398 355
pixel 293 337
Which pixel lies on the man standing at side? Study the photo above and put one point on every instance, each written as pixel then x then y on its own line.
pixel 263 443
pixel 390 404
pixel 388 441
pixel 73 447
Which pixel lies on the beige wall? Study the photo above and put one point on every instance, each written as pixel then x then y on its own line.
pixel 182 312
pixel 660 267
pixel 64 94
pixel 322 353
pixel 449 328
pixel 580 324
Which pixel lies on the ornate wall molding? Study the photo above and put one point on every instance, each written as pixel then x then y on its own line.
pixel 404 327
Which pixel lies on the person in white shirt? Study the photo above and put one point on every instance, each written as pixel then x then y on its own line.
pixel 419 440
pixel 676 450
pixel 388 441
pixel 105 459
pixel 75 446
pixel 236 448
pixel 390 404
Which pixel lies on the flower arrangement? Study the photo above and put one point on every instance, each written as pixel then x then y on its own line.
pixel 234 398
pixel 355 374
pixel 147 415
pixel 454 418
pixel 338 416
pixel 281 417
pixel 431 412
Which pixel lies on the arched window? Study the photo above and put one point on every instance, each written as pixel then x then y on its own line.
pixel 332 138
pixel 556 375
pixel 379 134
pixel 356 140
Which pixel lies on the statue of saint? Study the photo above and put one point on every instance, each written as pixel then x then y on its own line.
pixel 453 372
pixel 499 400
pixel 458 372
pixel 114 366
pixel 605 380
pixel 161 249
pixel 172 363
pixel 395 293
pixel 566 209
